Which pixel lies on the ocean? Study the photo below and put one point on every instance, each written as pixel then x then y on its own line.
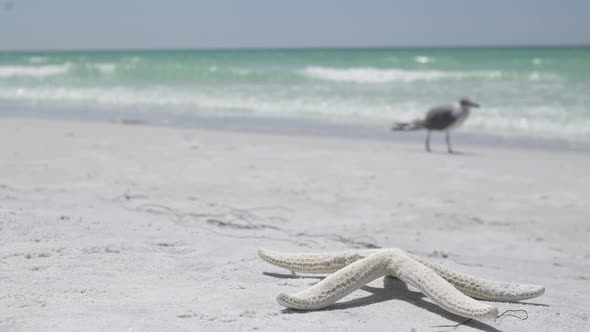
pixel 528 92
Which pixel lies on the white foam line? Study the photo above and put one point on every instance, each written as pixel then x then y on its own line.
pixel 33 71
pixel 378 75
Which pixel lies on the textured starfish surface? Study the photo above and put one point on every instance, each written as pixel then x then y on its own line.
pixel 350 270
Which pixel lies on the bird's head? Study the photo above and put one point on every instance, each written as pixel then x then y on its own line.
pixel 465 102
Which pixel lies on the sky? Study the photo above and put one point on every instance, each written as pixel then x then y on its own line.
pixel 174 24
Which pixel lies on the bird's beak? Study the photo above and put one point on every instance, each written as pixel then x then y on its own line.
pixel 476 105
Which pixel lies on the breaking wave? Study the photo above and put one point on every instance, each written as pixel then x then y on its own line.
pixel 378 75
pixel 33 71
pixel 531 93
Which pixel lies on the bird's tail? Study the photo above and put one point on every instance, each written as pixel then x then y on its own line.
pixel 408 126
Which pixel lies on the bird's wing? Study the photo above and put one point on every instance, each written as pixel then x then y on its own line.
pixel 440 117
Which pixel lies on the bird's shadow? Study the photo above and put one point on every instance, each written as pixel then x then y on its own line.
pixel 395 289
pixel 445 153
pixel 464 153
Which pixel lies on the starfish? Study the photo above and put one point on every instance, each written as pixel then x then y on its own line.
pixel 455 292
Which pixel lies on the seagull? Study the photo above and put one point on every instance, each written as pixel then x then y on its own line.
pixel 443 117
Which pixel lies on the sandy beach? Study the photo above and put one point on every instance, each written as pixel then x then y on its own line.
pixel 113 227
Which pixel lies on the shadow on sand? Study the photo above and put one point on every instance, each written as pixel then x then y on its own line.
pixel 395 289
pixel 444 152
pixel 290 276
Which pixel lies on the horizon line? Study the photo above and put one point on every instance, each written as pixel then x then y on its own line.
pixel 296 48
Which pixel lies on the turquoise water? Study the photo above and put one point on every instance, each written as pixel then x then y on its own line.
pixel 539 92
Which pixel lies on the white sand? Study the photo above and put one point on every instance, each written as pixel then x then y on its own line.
pixel 112 227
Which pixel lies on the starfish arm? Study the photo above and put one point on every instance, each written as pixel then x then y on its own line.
pixel 337 285
pixel 432 279
pixel 469 285
pixel 436 288
pixel 314 263
pixel 482 288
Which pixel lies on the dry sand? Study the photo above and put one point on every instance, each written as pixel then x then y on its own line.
pixel 107 227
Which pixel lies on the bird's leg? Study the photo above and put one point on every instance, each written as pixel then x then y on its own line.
pixel 448 139
pixel 427 143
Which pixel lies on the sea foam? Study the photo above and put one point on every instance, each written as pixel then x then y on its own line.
pixel 33 71
pixel 379 75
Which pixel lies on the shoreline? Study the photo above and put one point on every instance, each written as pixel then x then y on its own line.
pixel 318 128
